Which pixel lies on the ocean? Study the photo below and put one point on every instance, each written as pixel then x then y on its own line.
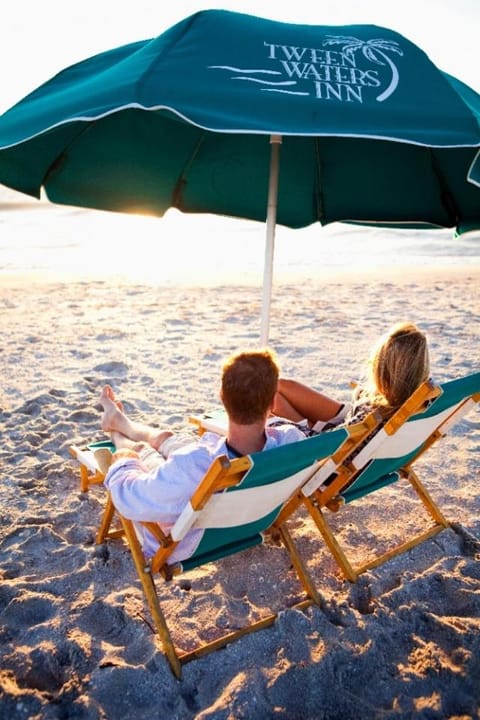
pixel 49 241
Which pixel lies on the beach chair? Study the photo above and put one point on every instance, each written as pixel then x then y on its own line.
pixel 389 456
pixel 237 503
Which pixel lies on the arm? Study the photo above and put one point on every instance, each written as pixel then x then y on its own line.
pixel 296 401
pixel 157 495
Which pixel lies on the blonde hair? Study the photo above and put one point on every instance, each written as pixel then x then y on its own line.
pixel 249 384
pixel 398 364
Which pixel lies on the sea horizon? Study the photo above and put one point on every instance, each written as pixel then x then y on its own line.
pixel 45 241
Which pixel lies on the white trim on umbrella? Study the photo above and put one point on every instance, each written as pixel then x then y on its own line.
pixel 244 131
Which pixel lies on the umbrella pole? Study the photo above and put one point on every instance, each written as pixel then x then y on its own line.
pixel 275 142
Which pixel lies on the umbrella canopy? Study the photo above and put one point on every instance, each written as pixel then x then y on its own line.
pixel 370 130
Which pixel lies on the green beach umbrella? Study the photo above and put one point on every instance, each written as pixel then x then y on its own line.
pixel 231 114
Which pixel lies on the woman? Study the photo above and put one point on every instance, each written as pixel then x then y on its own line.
pixel 398 364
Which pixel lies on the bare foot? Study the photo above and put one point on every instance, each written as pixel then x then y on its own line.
pixel 111 396
pixel 113 416
pixel 115 420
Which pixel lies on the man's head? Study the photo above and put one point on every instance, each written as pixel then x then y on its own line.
pixel 249 384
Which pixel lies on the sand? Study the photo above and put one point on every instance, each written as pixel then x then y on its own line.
pixel 76 638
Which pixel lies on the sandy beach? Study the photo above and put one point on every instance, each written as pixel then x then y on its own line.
pixel 76 638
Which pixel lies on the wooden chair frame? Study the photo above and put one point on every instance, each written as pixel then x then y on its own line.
pixel 222 475
pixel 335 496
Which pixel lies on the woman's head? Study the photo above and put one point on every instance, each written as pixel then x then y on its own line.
pixel 398 364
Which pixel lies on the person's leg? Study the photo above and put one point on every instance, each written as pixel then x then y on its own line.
pixel 115 420
pixel 150 458
pixel 122 442
pixel 175 442
pixel 296 401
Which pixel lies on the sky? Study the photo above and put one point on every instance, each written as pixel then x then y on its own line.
pixel 38 39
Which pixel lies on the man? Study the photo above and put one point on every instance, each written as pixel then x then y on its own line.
pixel 154 473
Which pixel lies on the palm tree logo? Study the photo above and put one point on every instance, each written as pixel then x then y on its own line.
pixel 375 51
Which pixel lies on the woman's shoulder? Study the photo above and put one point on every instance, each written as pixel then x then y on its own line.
pixel 361 405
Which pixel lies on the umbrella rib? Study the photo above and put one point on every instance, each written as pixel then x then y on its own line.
pixel 182 180
pixel 59 159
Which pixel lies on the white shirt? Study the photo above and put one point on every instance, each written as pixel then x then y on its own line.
pixel 160 493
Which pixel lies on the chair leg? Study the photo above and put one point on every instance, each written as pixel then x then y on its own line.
pixel 175 658
pixel 427 500
pixel 400 549
pixel 331 541
pixel 150 592
pixel 352 573
pixel 106 521
pixel 84 479
pixel 299 565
